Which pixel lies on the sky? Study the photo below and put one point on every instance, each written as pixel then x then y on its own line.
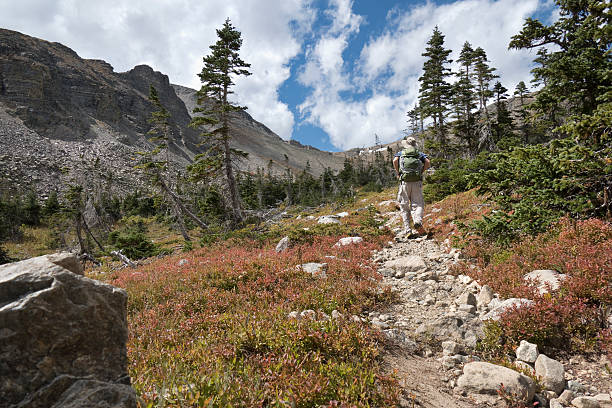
pixel 334 74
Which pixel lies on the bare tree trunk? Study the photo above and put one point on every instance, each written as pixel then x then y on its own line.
pixel 77 222
pixel 179 204
pixel 181 223
pixel 91 234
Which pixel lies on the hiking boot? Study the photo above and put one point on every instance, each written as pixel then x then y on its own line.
pixel 418 227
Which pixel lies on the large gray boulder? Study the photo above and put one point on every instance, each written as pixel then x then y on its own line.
pixel 487 378
pixel 58 327
pixel 411 263
pixel 551 372
pixel 545 279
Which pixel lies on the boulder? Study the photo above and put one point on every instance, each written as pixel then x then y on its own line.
pixel 487 378
pixel 498 308
pixel 551 372
pixel 412 263
pixel 466 298
pixel 283 244
pixel 527 352
pixel 545 279
pixel 348 241
pixel 58 328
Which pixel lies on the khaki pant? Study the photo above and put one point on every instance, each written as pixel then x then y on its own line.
pixel 410 198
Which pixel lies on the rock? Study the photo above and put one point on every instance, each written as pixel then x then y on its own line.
pixel 500 308
pixel 603 399
pixel 527 352
pixel 450 348
pixel 467 298
pixel 466 280
pixel 554 403
pixel 551 372
pixel 486 378
pixel 585 402
pixel 71 392
pixel 467 308
pixel 183 262
pixel 566 397
pixel 283 244
pixel 328 219
pixel 342 214
pixel 336 314
pixel 545 278
pixel 485 296
pixel 57 324
pixel 348 241
pixel 575 386
pixel 387 272
pixel 315 269
pixel 412 263
pixel 293 315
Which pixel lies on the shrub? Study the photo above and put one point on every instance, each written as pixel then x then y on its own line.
pixel 132 240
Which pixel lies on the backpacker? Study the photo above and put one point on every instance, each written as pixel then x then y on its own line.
pixel 410 165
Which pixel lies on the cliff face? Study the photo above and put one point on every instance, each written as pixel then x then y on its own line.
pixel 66 119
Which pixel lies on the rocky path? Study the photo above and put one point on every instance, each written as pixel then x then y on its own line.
pixel 435 324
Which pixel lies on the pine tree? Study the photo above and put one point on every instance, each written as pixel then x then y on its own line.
pixel 413 119
pixel 220 67
pixel 577 70
pixel 435 91
pixel 483 75
pixel 155 163
pixel 504 125
pixel 521 91
pixel 464 98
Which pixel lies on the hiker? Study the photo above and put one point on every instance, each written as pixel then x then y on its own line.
pixel 409 165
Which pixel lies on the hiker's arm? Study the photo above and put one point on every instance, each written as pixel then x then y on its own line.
pixel 426 164
pixel 396 165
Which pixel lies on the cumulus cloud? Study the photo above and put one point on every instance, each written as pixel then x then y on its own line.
pixel 172 36
pixel 390 64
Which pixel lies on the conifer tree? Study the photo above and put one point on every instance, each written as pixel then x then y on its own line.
pixel 503 124
pixel 577 69
pixel 435 91
pixel 483 75
pixel 464 98
pixel 521 91
pixel 220 67
pixel 155 163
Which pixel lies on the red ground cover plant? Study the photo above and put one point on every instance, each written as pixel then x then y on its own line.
pixel 214 330
pixel 568 319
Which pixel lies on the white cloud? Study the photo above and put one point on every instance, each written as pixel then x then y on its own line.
pixel 172 36
pixel 390 64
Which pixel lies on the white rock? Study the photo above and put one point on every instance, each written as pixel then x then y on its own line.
pixel 328 219
pixel 527 352
pixel 450 348
pixel 412 263
pixel 551 372
pixel 336 314
pixel 486 378
pixel 545 277
pixel 283 244
pixel 315 269
pixel 183 262
pixel 348 241
pixel 496 312
pixel 554 403
pixel 467 308
pixel 293 315
pixel 342 214
pixel 466 280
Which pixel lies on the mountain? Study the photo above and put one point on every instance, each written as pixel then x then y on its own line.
pixel 65 119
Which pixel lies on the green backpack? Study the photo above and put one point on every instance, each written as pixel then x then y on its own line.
pixel 410 165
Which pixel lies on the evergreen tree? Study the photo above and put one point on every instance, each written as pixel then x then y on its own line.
pixel 220 66
pixel 483 75
pixel 503 126
pixel 577 69
pixel 464 99
pixel 521 91
pixel 435 91
pixel 155 163
pixel 413 119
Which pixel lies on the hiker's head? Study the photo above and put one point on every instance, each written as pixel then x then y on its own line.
pixel 409 141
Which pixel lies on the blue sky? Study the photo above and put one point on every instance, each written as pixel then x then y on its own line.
pixel 329 73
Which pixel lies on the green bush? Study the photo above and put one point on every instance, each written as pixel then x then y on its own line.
pixel 132 240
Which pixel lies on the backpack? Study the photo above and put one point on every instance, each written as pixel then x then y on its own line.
pixel 410 165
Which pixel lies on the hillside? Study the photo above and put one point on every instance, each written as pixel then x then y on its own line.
pixel 66 119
